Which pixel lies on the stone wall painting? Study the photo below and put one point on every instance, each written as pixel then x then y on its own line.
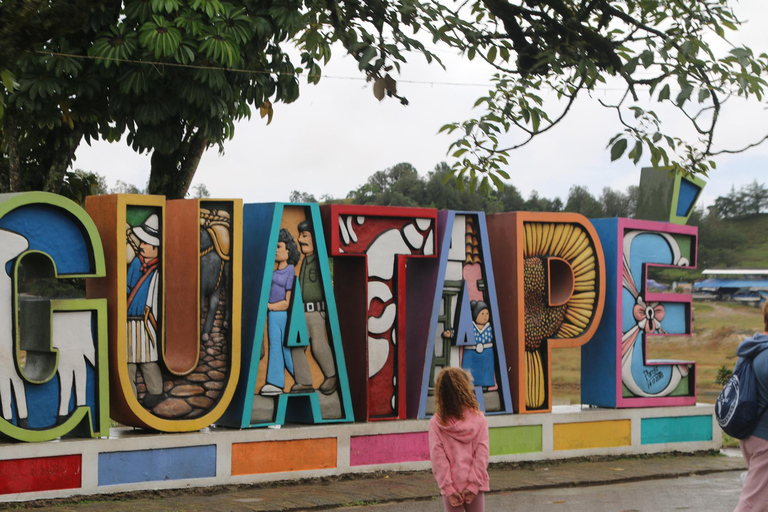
pixel 53 342
pixel 464 328
pixel 550 284
pixel 295 369
pixel 175 347
pixel 624 374
pixel 371 246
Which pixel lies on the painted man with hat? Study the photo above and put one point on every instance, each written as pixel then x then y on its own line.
pixel 143 280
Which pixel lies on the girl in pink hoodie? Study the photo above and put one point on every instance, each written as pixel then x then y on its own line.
pixel 458 443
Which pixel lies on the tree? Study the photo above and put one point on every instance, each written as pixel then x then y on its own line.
pixel 755 198
pixel 581 201
pixel 551 52
pixel 200 191
pixel 749 200
pixel 79 183
pixel 614 203
pixel 122 187
pixel 399 185
pixel 301 197
pixel 536 203
pixel 173 76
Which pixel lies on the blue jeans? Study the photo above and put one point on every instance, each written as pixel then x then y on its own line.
pixel 279 354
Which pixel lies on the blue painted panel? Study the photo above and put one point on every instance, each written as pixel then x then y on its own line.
pixel 257 225
pixel 682 429
pixel 651 379
pixel 648 248
pixel 675 318
pixel 598 356
pixel 53 231
pixel 43 401
pixel 689 191
pixel 157 465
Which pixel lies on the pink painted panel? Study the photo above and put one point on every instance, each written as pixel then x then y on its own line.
pixel 388 448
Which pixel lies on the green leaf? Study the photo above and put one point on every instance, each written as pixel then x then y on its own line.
pixel 366 57
pixel 618 149
pixel 636 152
pixel 664 93
pixel 8 80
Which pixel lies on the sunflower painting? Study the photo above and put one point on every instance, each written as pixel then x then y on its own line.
pixel 553 280
pixel 570 246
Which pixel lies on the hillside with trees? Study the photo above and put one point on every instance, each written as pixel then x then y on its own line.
pixel 732 233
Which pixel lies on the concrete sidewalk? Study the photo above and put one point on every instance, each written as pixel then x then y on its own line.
pixel 370 488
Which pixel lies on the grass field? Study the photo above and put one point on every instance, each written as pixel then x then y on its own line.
pixel 718 328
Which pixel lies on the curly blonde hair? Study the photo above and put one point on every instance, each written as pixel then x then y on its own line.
pixel 453 393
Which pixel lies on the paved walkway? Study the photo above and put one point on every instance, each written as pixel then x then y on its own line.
pixel 330 493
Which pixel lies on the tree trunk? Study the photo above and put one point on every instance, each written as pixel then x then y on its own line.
pixel 13 163
pixel 172 173
pixel 65 143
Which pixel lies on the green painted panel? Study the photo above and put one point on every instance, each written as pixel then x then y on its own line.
pixel 682 429
pixel 512 440
pixel 686 245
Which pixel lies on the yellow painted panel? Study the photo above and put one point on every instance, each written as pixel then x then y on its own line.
pixel 592 434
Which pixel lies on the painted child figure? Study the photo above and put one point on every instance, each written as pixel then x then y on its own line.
pixel 458 443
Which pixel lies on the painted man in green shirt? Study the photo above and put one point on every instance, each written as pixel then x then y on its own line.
pixel 315 310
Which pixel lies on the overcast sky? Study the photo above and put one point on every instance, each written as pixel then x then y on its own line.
pixel 337 134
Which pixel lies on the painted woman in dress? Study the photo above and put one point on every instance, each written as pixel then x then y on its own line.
pixel 478 359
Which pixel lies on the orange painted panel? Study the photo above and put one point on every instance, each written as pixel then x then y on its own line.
pixel 182 283
pixel 282 456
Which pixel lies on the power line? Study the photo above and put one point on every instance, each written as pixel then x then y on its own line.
pixel 247 71
pixel 265 72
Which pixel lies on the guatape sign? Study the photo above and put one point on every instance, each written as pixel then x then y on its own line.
pixel 207 311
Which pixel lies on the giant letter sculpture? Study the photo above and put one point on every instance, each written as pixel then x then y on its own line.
pixel 50 347
pixel 619 372
pixel 371 246
pixel 550 279
pixel 464 327
pixel 294 364
pixel 174 268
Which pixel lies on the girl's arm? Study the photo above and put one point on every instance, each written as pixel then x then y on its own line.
pixel 281 305
pixel 441 468
pixel 479 460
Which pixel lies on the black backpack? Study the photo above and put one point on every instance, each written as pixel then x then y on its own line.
pixel 736 408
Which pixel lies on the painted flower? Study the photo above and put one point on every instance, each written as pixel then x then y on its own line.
pixel 648 316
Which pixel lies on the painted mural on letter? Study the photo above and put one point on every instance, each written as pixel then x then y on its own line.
pixel 384 238
pixel 53 353
pixel 292 334
pixel 170 389
pixel 560 293
pixel 625 375
pixel 177 354
pixel 465 331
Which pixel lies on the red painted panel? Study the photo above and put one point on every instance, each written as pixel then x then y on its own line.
pixel 40 474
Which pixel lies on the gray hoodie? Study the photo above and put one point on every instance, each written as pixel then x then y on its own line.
pixel 757 347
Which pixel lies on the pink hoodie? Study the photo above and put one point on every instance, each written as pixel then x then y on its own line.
pixel 459 453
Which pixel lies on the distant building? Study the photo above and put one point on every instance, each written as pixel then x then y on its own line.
pixel 748 285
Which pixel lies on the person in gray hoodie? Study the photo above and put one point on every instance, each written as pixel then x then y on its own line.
pixel 754 495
